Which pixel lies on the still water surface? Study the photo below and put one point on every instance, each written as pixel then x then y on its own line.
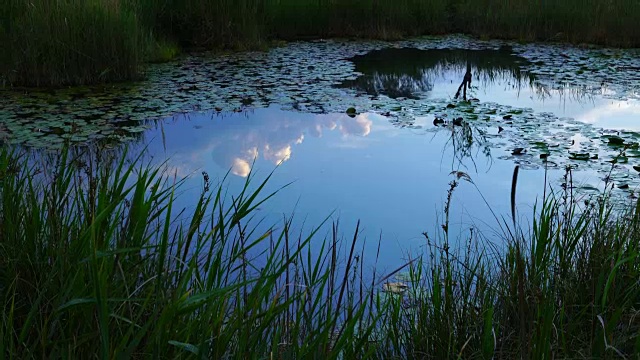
pixel 394 179
pixel 392 172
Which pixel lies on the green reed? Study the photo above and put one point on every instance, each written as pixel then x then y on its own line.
pixel 70 42
pixel 565 287
pixel 592 21
pixel 96 260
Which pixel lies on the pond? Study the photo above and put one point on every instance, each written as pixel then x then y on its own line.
pixel 368 131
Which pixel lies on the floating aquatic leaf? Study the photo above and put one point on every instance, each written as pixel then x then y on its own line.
pixel 620 159
pixel 589 188
pixel 579 156
pixel 308 76
pixel 615 140
pixel 404 277
pixel 395 287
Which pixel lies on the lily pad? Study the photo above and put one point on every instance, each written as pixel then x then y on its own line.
pixel 615 140
pixel 579 156
pixel 395 287
pixel 313 77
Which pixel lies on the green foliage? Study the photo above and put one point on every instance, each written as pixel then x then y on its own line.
pixel 371 18
pixel 67 42
pixel 96 261
pixel 70 42
pixel 162 51
pixel 592 21
pixel 566 288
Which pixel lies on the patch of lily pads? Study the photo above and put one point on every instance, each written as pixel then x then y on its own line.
pixel 308 77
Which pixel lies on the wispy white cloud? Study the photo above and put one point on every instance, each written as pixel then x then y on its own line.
pixel 272 135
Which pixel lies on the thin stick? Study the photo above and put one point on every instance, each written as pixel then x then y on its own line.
pixel 514 182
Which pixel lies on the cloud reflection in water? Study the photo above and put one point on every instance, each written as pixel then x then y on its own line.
pixel 237 141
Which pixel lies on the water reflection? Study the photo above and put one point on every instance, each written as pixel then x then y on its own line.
pixel 429 80
pixel 413 73
pixel 392 179
pixel 617 115
pixel 236 142
pixel 390 172
pixel 497 75
pixel 466 143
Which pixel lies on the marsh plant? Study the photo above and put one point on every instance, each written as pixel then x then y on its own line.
pixel 96 260
pixel 69 42
pixel 564 287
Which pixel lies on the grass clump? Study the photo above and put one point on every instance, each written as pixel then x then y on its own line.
pixel 368 19
pixel 70 42
pixel 96 261
pixel 565 288
pixel 577 21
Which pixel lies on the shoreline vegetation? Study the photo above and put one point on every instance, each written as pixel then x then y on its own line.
pixel 97 261
pixel 53 43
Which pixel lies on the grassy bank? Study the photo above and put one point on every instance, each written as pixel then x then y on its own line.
pixel 96 261
pixel 68 42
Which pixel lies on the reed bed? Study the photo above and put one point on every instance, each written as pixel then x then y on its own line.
pixel 97 261
pixel 563 287
pixel 52 43
pixel 70 42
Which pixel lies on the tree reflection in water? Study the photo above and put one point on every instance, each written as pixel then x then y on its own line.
pixel 412 73
pixel 416 74
pixel 466 141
